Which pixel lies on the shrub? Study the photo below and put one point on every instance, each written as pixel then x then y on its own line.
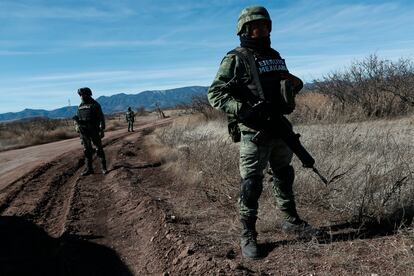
pixel 378 86
pixel 368 165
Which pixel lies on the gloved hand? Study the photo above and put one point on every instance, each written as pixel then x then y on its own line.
pixel 259 112
pixel 102 133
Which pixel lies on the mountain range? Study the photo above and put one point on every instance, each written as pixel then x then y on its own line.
pixel 119 102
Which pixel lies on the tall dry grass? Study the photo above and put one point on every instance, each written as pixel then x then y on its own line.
pixel 369 166
pixel 314 107
pixel 202 154
pixel 34 131
pixel 29 132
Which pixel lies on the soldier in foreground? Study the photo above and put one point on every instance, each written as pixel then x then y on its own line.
pixel 254 87
pixel 130 118
pixel 91 124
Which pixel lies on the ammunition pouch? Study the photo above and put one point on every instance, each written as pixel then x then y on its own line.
pixel 233 128
pixel 259 112
pixel 288 95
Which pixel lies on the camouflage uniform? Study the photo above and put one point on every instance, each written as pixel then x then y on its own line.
pixel 91 124
pixel 130 118
pixel 232 92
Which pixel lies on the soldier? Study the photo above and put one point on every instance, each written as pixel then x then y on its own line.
pixel 130 118
pixel 91 124
pixel 249 85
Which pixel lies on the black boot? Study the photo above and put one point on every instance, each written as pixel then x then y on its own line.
pixel 302 229
pixel 103 166
pixel 248 241
pixel 88 169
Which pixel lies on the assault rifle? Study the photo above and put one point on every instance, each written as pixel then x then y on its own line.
pixel 276 125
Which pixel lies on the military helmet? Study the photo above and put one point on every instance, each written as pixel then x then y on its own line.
pixel 85 91
pixel 250 14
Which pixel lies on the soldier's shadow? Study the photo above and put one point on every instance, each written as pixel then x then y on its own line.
pixel 26 249
pixel 348 231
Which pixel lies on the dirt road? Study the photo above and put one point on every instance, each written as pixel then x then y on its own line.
pixel 53 221
pixel 139 220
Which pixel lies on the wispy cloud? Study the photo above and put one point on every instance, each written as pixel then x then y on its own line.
pixel 17 53
pixel 165 75
pixel 130 46
pixel 52 10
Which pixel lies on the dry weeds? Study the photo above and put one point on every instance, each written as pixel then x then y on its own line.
pixel 371 192
pixel 29 132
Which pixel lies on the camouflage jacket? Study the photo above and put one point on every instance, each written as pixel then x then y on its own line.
pixel 229 90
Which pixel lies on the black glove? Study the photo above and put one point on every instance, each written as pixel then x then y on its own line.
pixel 102 133
pixel 259 112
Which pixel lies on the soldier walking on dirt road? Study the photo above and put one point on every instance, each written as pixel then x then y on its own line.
pixel 130 118
pixel 90 121
pixel 253 82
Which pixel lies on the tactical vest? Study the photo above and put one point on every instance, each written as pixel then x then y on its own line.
pixel 130 116
pixel 87 115
pixel 85 112
pixel 265 83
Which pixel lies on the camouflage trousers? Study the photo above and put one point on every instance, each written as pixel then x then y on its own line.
pixel 130 126
pixel 88 138
pixel 253 161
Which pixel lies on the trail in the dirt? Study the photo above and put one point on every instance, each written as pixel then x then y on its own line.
pixel 115 224
pixel 74 211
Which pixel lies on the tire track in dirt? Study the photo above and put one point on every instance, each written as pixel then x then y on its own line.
pixel 45 195
pixel 11 192
pixel 129 211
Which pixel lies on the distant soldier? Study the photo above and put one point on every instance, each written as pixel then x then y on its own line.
pixel 91 124
pixel 130 118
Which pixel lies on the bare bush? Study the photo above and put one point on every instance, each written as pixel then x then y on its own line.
pixel 316 107
pixel 141 111
pixel 372 163
pixel 207 155
pixel 368 165
pixel 200 105
pixel 380 87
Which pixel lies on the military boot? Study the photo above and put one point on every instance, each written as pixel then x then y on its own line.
pixel 103 166
pixel 248 240
pixel 88 169
pixel 302 229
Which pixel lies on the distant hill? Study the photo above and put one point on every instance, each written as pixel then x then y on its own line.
pixel 119 102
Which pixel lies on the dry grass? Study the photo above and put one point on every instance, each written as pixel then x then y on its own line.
pixel 372 162
pixel 203 151
pixel 313 107
pixel 23 133
pixel 369 166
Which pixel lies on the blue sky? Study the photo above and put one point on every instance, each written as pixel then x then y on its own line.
pixel 48 48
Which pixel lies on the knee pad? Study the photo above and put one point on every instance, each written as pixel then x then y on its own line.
pixel 251 189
